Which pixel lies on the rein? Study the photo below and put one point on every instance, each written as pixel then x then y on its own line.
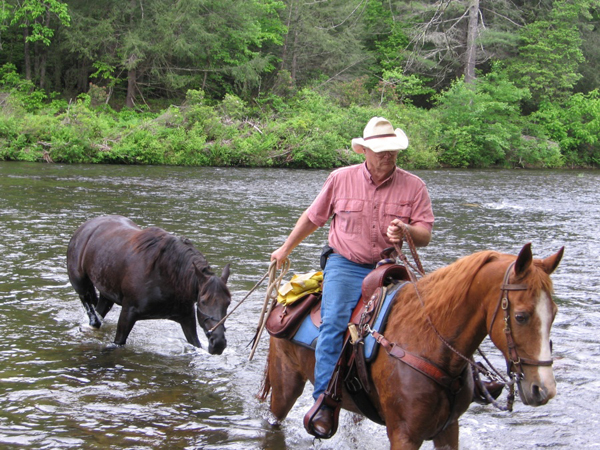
pixel 514 363
pixel 413 251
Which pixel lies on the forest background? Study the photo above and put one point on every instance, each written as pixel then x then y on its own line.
pixel 288 83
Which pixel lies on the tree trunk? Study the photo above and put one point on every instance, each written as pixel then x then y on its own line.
pixel 471 53
pixel 294 56
pixel 43 65
pixel 42 55
pixel 285 42
pixel 26 53
pixel 131 87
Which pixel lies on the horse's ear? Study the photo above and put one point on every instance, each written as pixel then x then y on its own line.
pixel 524 260
pixel 550 263
pixel 225 274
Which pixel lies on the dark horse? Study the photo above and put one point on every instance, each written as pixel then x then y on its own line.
pixel 504 296
pixel 151 274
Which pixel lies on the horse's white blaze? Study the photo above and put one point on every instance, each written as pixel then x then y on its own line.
pixel 544 313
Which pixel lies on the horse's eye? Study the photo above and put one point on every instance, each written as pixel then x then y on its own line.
pixel 521 317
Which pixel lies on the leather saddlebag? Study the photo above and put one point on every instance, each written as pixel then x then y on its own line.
pixel 284 321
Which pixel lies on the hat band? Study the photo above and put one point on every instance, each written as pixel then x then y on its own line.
pixel 380 136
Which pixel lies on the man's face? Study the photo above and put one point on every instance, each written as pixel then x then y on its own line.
pixel 382 161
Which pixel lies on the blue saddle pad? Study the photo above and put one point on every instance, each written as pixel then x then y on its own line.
pixel 380 322
pixel 308 333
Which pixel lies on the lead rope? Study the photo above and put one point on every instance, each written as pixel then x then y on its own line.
pixel 270 300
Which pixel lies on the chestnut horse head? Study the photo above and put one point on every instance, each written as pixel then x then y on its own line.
pixel 443 318
pixel 522 332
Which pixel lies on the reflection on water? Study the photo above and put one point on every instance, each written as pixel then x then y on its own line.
pixel 61 388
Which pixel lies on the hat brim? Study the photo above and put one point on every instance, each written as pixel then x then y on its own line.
pixel 382 144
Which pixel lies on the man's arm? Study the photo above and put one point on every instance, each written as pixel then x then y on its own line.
pixel 304 227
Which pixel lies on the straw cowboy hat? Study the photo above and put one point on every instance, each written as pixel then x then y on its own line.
pixel 379 135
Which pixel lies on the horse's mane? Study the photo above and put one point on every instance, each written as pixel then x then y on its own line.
pixel 445 288
pixel 174 256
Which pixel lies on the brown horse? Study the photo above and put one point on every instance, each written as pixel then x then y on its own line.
pixel 151 274
pixel 484 293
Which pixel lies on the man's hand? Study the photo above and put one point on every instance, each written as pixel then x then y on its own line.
pixel 396 230
pixel 420 235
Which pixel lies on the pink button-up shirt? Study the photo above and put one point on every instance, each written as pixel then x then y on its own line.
pixel 362 211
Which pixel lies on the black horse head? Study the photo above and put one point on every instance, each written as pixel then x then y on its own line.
pixel 213 300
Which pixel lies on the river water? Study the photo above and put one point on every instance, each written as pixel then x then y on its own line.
pixel 61 389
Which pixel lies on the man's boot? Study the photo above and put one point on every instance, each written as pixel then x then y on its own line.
pixel 321 420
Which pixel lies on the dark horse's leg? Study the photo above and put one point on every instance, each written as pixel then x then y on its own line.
pixel 87 294
pixel 127 320
pixel 188 325
pixel 104 306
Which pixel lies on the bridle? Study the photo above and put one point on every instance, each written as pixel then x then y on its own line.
pixel 203 318
pixel 515 362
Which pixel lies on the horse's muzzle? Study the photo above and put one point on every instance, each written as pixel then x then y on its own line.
pixel 536 394
pixel 216 345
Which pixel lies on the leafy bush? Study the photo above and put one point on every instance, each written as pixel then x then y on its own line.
pixel 475 125
pixel 575 126
pixel 479 123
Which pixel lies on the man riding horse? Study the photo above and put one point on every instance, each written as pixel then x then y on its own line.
pixel 372 205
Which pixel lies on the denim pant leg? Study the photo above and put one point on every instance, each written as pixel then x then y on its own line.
pixel 341 291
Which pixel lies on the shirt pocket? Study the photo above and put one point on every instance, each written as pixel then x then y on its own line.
pixel 391 211
pixel 349 214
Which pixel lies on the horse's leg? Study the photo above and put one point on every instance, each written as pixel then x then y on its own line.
pixel 286 376
pixel 88 297
pixel 447 439
pixel 188 325
pixel 104 306
pixel 399 440
pixel 127 320
pixel 286 391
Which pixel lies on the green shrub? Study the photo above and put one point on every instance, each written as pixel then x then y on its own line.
pixel 575 126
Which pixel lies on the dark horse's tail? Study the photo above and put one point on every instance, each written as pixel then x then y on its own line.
pixel 266 384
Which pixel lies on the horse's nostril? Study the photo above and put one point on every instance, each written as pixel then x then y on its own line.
pixel 217 346
pixel 538 393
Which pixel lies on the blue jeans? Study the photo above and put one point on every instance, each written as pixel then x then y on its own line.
pixel 342 284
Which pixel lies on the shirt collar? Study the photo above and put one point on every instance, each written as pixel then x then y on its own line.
pixel 369 179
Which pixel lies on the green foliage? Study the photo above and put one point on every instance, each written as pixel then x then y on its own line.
pixel 575 126
pixel 386 37
pixel 475 125
pixel 23 92
pixel 399 88
pixel 549 53
pixel 480 124
pixel 29 13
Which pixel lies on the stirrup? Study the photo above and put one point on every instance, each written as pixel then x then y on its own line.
pixel 322 402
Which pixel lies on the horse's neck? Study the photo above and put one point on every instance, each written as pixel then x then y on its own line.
pixel 443 332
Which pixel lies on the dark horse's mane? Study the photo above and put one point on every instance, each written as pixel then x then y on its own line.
pixel 174 256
